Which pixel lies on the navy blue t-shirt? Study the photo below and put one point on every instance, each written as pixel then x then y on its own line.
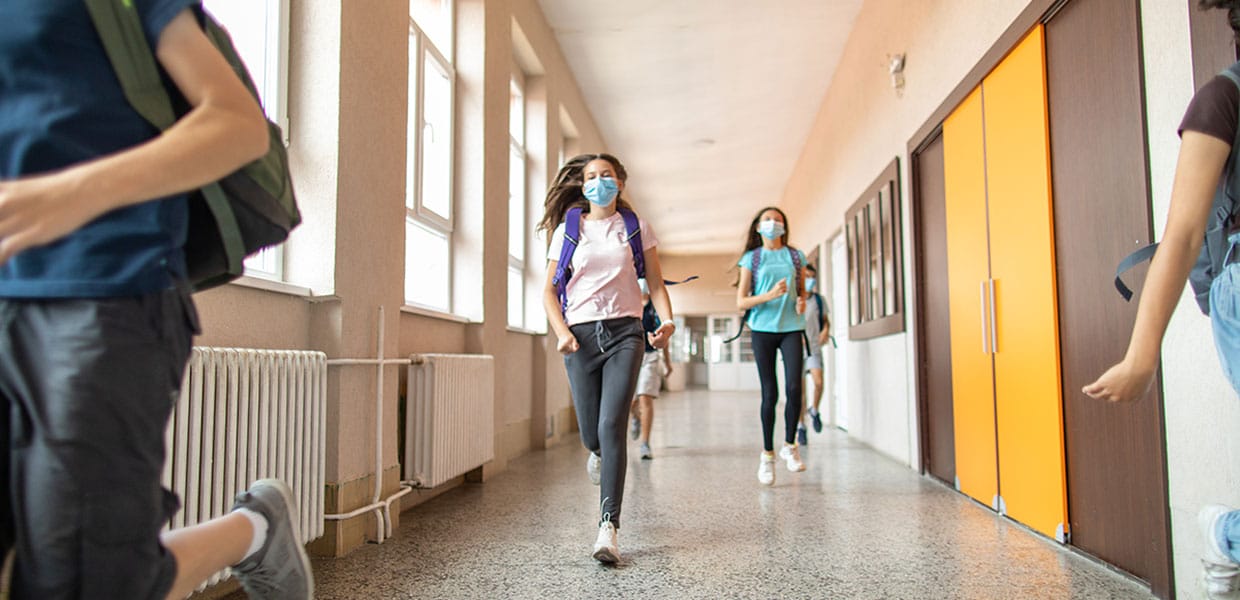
pixel 61 104
pixel 650 322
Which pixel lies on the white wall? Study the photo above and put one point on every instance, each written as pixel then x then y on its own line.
pixel 863 124
pixel 1201 411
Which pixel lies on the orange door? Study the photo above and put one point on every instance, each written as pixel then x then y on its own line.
pixel 968 267
pixel 1022 256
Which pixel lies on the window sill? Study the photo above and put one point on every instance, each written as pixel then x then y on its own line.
pixel 270 285
pixel 434 314
pixel 514 329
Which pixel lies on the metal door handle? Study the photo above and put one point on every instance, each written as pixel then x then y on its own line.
pixel 994 341
pixel 985 350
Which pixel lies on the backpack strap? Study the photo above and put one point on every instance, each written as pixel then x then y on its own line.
pixel 633 235
pixel 755 259
pixel 822 316
pixel 564 268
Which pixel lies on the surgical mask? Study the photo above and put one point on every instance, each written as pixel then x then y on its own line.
pixel 771 229
pixel 809 284
pixel 601 190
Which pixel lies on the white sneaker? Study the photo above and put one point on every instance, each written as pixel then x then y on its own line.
pixel 606 547
pixel 1219 571
pixel 766 469
pixel 593 465
pixel 792 456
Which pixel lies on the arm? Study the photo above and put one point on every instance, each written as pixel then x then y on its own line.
pixel 745 302
pixel 662 301
pixel 224 130
pixel 1196 175
pixel 551 304
pixel 667 362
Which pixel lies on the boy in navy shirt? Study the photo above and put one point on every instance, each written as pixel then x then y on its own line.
pixel 95 320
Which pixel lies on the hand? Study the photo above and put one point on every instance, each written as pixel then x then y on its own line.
pixel 780 288
pixel 824 336
pixel 667 369
pixel 661 336
pixel 34 212
pixel 568 344
pixel 800 305
pixel 1120 383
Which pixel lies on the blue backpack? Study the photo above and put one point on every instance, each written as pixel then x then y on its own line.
pixel 1214 249
pixel 572 237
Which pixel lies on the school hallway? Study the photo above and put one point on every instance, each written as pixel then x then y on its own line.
pixel 697 524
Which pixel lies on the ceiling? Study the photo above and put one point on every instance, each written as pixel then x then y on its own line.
pixel 707 102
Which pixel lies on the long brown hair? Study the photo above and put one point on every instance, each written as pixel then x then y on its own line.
pixel 753 239
pixel 565 193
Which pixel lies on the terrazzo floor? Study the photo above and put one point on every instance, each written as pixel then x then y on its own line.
pixel 697 524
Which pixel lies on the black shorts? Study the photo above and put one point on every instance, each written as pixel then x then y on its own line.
pixel 86 390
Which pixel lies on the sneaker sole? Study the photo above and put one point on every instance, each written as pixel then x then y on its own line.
pixel 291 519
pixel 605 555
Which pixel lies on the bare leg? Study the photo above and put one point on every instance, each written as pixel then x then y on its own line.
pixel 816 376
pixel 204 549
pixel 647 416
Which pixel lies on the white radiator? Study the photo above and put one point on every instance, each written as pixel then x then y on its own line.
pixel 450 422
pixel 245 415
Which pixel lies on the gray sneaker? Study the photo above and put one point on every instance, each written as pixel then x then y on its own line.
pixel 280 570
pixel 645 451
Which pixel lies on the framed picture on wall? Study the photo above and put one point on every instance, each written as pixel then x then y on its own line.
pixel 873 230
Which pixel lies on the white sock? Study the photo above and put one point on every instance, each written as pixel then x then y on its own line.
pixel 260 530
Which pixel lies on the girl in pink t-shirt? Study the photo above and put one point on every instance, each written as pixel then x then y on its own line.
pixel 599 326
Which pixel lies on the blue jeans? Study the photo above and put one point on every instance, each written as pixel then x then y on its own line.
pixel 1225 316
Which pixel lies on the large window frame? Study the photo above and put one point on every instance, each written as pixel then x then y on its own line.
pixel 517 196
pixel 267 61
pixel 425 214
pixel 873 229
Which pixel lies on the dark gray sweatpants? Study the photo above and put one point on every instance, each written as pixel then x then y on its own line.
pixel 603 376
pixel 86 389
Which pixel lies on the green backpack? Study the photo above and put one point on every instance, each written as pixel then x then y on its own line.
pixel 229 219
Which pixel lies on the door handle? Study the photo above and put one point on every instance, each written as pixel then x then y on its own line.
pixel 994 338
pixel 982 307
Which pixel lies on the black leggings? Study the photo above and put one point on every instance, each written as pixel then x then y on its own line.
pixel 764 347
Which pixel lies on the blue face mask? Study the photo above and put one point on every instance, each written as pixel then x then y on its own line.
pixel 770 229
pixel 601 190
pixel 809 284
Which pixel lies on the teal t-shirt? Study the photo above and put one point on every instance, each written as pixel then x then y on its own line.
pixel 779 315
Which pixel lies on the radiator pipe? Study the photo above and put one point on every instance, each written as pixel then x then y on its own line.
pixel 382 508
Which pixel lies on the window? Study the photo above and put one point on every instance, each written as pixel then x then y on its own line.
pixel 429 165
pixel 516 202
pixel 259 30
pixel 875 271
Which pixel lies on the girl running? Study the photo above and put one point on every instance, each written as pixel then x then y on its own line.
pixel 770 290
pixel 594 307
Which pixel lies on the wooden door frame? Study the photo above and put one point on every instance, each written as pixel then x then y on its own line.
pixel 919 310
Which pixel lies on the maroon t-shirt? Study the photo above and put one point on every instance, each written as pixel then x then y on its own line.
pixel 1213 110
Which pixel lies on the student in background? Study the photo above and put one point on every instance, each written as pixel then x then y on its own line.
pixel 656 365
pixel 771 291
pixel 818 333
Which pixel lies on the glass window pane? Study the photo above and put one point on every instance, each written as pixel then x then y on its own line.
pixel 874 246
pixel 516 298
pixel 516 205
pixel 426 267
pixel 411 126
pixel 889 256
pixel 435 18
pixel 253 27
pixel 516 114
pixel 436 138
pixel 266 263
